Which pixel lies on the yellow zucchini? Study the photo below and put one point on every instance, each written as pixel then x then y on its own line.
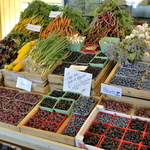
pixel 18 67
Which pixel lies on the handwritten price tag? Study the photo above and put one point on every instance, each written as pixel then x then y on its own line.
pixel 24 84
pixel 54 14
pixel 77 81
pixel 111 90
pixel 33 27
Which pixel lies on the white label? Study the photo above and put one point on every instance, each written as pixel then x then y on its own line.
pixel 76 67
pixel 111 90
pixel 24 84
pixel 77 81
pixel 33 27
pixel 54 14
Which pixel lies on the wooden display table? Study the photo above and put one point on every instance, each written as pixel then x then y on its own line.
pixel 32 141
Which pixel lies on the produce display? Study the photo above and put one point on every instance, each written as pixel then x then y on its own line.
pixel 72 95
pixel 114 131
pixel 117 106
pixel 143 112
pixel 132 76
pixel 39 9
pixel 15 105
pixel 77 21
pixel 45 120
pixel 17 64
pixel 48 102
pixel 84 106
pixel 56 93
pixel 59 70
pixel 108 23
pixel 85 58
pixel 9 47
pixel 72 57
pixel 46 53
pixel 70 131
pixel 60 24
pixel 54 48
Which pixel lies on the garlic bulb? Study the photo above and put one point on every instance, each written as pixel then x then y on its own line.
pixel 141 36
pixel 145 25
pixel 148 38
pixel 132 35
pixel 128 37
pixel 146 54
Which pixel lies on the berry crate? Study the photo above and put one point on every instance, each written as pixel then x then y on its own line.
pixel 99 62
pixel 133 88
pixel 57 136
pixel 64 106
pixel 48 103
pixel 56 81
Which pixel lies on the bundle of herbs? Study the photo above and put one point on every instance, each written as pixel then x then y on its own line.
pixel 111 20
pixel 127 51
pixel 77 21
pixel 46 53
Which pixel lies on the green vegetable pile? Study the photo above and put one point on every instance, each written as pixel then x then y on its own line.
pixel 121 13
pixel 47 52
pixel 41 10
pixel 77 21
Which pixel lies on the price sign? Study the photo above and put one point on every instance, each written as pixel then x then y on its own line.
pixel 111 90
pixel 33 27
pixel 54 14
pixel 24 84
pixel 77 81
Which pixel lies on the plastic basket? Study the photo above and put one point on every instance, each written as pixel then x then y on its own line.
pixel 106 41
pixel 76 47
pixel 68 112
pixel 99 64
pixel 48 108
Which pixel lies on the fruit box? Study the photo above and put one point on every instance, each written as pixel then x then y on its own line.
pixel 36 87
pixel 57 79
pixel 101 65
pixel 51 109
pixel 93 117
pixel 126 91
pixel 64 111
pixel 58 137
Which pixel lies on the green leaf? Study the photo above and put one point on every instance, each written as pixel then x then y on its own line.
pixel 16 41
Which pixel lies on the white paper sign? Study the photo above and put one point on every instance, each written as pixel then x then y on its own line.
pixel 33 27
pixel 76 67
pixel 24 84
pixel 77 81
pixel 111 90
pixel 54 14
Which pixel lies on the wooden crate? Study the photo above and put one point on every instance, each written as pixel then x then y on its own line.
pixel 58 137
pixel 10 126
pixel 128 91
pixel 57 79
pixel 36 78
pixel 39 88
